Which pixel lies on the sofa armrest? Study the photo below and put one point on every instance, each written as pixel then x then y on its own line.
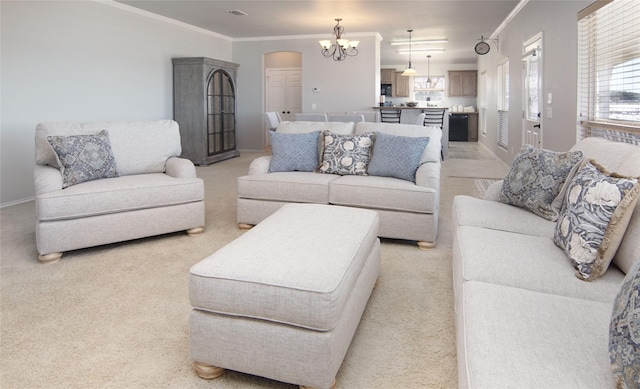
pixel 180 168
pixel 260 165
pixel 493 191
pixel 428 175
pixel 46 179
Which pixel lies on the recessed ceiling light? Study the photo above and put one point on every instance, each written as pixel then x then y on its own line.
pixel 424 41
pixel 236 12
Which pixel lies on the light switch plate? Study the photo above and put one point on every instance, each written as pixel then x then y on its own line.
pixel 549 113
pixel 549 98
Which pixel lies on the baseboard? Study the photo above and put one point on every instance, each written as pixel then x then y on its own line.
pixel 11 203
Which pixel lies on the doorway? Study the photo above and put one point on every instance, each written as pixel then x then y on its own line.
pixel 283 85
pixel 532 72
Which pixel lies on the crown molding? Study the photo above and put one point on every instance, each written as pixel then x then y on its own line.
pixel 508 19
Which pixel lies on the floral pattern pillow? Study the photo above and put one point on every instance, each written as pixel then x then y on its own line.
pixel 624 332
pixel 83 158
pixel 536 178
pixel 346 154
pixel 594 216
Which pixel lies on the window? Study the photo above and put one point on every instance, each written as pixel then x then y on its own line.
pixel 609 70
pixel 428 91
pixel 503 103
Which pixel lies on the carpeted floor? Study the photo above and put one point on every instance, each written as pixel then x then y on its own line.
pixel 116 316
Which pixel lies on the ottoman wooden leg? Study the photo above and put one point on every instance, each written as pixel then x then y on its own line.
pixel 334 385
pixel 208 372
pixel 426 245
pixel 245 226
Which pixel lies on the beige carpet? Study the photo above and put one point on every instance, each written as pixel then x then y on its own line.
pixel 117 316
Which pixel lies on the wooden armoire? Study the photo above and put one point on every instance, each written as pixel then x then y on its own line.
pixel 204 106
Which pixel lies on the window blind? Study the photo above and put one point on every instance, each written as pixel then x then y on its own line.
pixel 609 70
pixel 503 103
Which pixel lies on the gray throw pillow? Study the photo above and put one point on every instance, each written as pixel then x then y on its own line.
pixel 624 331
pixel 294 152
pixel 83 158
pixel 536 178
pixel 595 214
pixel 346 154
pixel 396 156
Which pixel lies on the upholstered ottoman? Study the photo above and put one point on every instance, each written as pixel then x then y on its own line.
pixel 284 300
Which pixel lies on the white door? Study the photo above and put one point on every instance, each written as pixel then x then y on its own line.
pixel 532 88
pixel 283 93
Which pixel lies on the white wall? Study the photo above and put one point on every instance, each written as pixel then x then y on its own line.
pixel 558 22
pixel 345 85
pixel 83 61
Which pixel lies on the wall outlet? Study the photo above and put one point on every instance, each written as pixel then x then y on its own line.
pixel 313 106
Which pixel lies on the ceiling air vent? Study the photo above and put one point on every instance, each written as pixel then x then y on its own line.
pixel 236 12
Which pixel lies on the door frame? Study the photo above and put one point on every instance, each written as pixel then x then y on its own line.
pixel 533 46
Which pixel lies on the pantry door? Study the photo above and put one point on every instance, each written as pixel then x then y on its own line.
pixel 532 68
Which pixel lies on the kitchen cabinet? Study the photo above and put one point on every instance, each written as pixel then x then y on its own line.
pixel 463 83
pixel 401 85
pixel 386 76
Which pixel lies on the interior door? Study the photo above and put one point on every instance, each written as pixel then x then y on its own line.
pixel 284 93
pixel 532 88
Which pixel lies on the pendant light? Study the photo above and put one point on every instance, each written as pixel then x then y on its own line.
pixel 429 69
pixel 409 71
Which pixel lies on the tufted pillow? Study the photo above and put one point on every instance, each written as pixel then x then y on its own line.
pixel 536 178
pixel 624 331
pixel 595 213
pixel 346 154
pixel 83 158
pixel 294 152
pixel 396 156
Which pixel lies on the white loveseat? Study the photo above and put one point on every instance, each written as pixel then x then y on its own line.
pixel 523 319
pixel 407 210
pixel 156 192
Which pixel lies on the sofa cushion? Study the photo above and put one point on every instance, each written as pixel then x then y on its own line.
pixel 294 152
pixel 511 337
pixel 595 213
pixel 536 178
pixel 432 153
pixel 472 211
pixel 624 331
pixel 383 193
pixel 524 261
pixel 302 127
pixel 298 187
pixel 83 158
pixel 161 139
pixel 346 154
pixel 120 194
pixel 396 156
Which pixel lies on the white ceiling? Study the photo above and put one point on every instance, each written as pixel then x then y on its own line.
pixel 461 22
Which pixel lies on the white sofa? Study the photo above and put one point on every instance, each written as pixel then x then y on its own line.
pixel 523 319
pixel 155 193
pixel 407 210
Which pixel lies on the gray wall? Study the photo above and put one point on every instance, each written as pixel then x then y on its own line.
pixel 342 86
pixel 83 61
pixel 558 22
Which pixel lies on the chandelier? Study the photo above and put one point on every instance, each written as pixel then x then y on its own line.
pixel 342 48
pixel 409 71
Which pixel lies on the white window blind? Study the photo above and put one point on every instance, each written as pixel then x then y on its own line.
pixel 503 103
pixel 609 70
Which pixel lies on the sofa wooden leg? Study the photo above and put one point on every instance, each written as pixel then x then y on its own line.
pixel 334 385
pixel 208 372
pixel 426 245
pixel 195 231
pixel 244 226
pixel 50 258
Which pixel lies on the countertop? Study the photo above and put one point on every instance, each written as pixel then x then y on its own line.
pixel 405 107
pixel 463 113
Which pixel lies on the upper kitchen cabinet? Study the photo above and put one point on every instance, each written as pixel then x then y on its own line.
pixel 463 83
pixel 400 85
pixel 386 76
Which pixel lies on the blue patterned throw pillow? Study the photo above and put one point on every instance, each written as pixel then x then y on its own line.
pixel 346 154
pixel 294 152
pixel 396 156
pixel 595 213
pixel 624 332
pixel 536 178
pixel 83 158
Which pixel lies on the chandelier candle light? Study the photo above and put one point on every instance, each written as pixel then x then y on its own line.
pixel 409 71
pixel 342 48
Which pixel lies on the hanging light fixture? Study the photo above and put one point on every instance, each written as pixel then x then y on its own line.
pixel 342 48
pixel 429 69
pixel 409 71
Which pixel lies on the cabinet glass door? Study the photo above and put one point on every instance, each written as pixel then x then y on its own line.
pixel 221 106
